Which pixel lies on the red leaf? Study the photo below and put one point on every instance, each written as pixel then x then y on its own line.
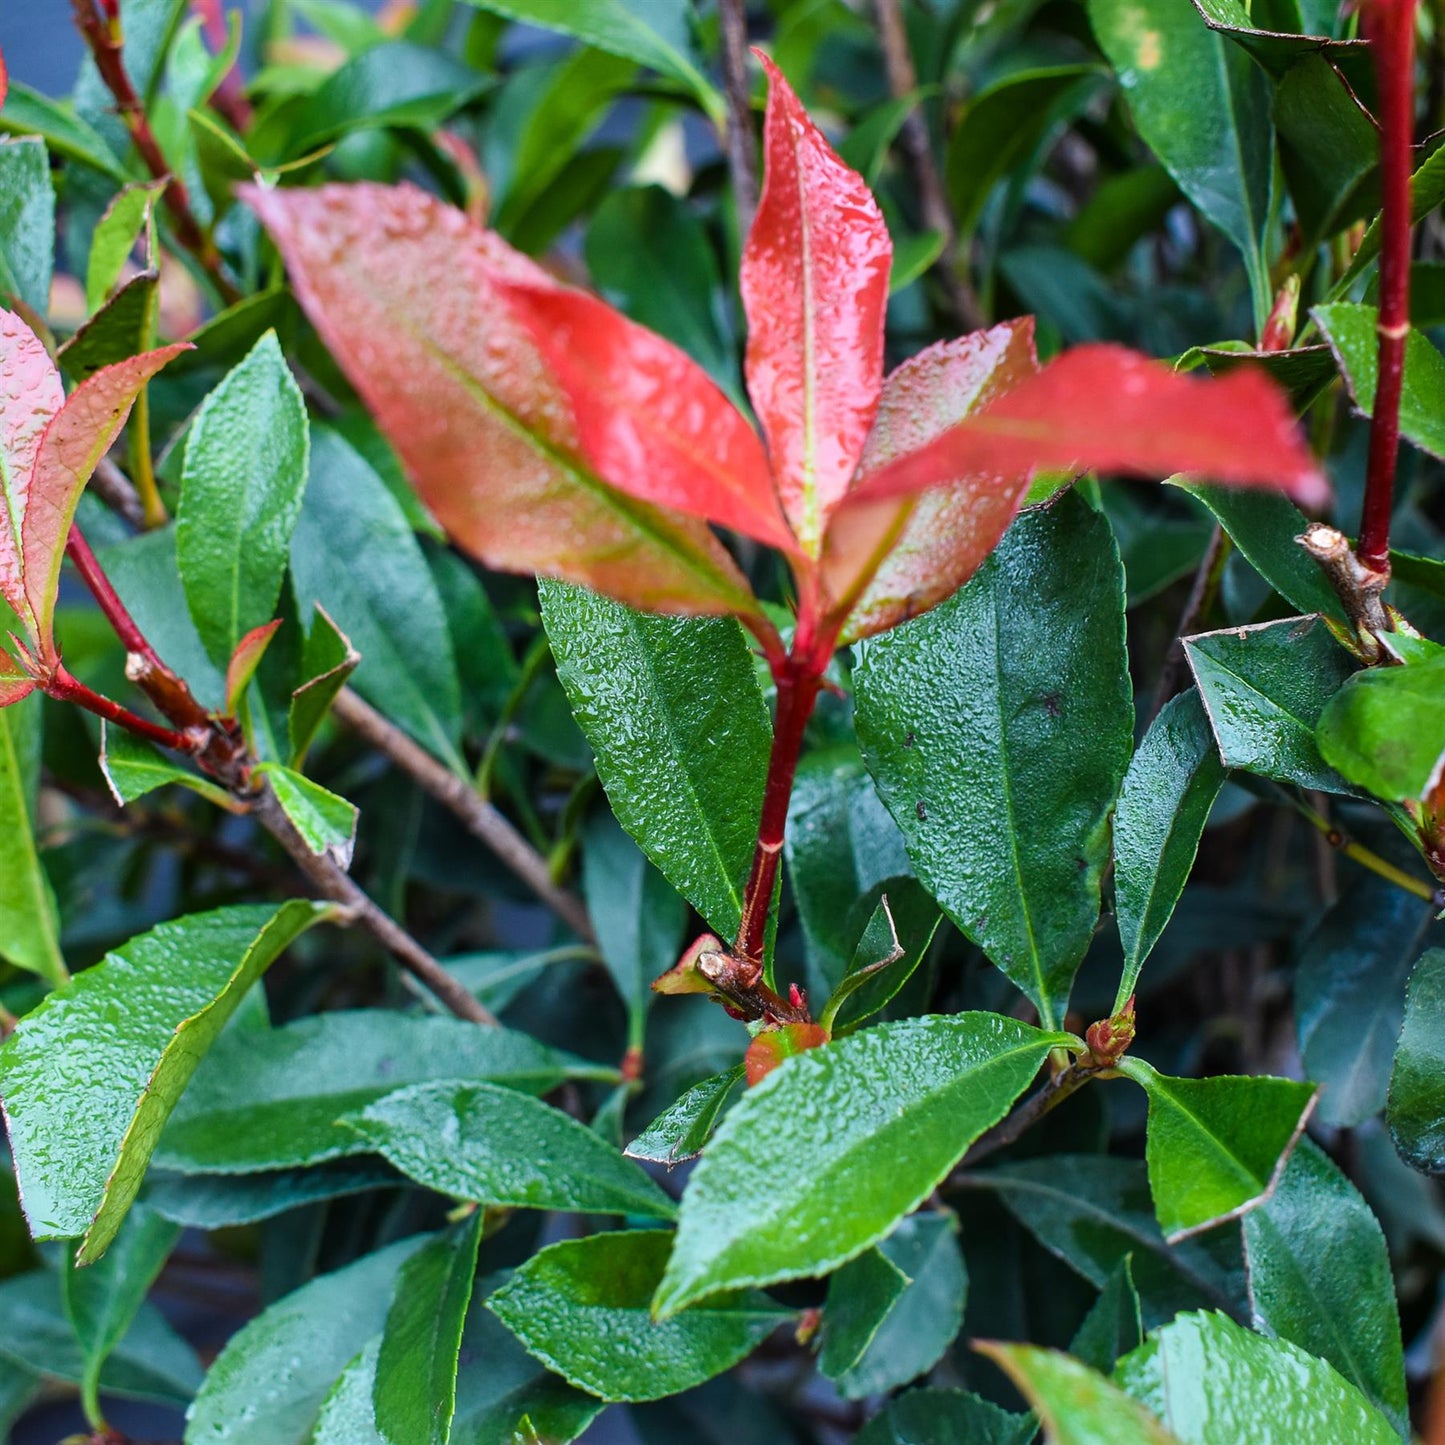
pixel 649 419
pixel 14 685
pixel 769 1048
pixel 1111 410
pixel 886 560
pixel 403 290
pixel 78 436
pixel 4 91
pixel 245 660
pixel 30 396
pixel 815 289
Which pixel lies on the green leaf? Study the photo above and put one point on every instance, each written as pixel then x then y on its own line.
pixel 945 1417
pixel 143 1018
pixel 218 1201
pixel 415 1390
pixel 870 984
pixel 1416 1111
pixel 998 727
pixel 241 491
pixel 328 660
pixel 582 1308
pixel 1319 1276
pixel 1349 992
pixel 27 223
pixel 1205 1376
pixel 102 1301
pixel 29 927
pixel 271 1100
pixel 1094 1212
pixel 326 823
pixel 133 768
pixel 1265 688
pixel 859 1298
pixel 1115 1322
pixel 654 33
pixel 1203 108
pixel 499 1147
pixel 1168 792
pixel 1216 1146
pixel 125 218
pixel 268 1384
pixel 27 112
pixel 902 1102
pixel 1385 729
pixel 1350 330
pixel 347 1416
pixel 124 325
pixel 1076 1405
pixel 1427 191
pixel 638 918
pixel 915 1328
pixel 672 708
pixel 681 1131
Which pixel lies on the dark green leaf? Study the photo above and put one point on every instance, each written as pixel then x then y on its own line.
pixel 27 112
pixel 134 768
pixel 1416 1110
pixel 912 919
pixel 240 497
pixel 218 1201
pixel 859 1298
pixel 124 325
pixel 582 1307
pixel 1319 1276
pixel 414 1394
pixel 27 222
pixel 1265 688
pixel 876 1120
pixel 271 1100
pixel 1303 371
pixel 945 1417
pixel 1164 804
pixel 1427 190
pixel 1216 1146
pixel 1114 1324
pixel 1385 729
pixel 327 662
pixel 29 928
pixel 672 708
pixel 500 1147
pixel 998 728
pixel 680 1132
pixel 143 1018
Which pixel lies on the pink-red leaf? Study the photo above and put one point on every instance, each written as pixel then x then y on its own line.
pixel 30 396
pixel 815 289
pixel 649 419
pixel 245 660
pixel 404 290
pixel 886 560
pixel 1111 410
pixel 78 436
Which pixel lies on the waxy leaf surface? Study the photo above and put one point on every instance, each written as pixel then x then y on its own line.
pixel 1415 1111
pixel 29 925
pixel 1385 729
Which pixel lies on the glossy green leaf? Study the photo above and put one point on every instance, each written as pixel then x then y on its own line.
pixel 681 1130
pixel 998 728
pixel 268 1384
pixel 124 325
pixel 1169 789
pixel 915 1328
pixel 27 222
pixel 1216 1146
pixel 218 1201
pixel 1094 1212
pixel 271 1100
pixel 1350 993
pixel 1115 1322
pixel 1265 688
pixel 1385 729
pixel 1350 330
pixel 654 33
pixel 1206 1378
pixel 945 1417
pixel 102 1300
pixel 1427 191
pixel 325 822
pixel 27 112
pixel 582 1307
pixel 859 1298
pixel 1204 110
pixel 1319 1276
pixel 125 218
pixel 29 928
pixel 901 1102
pixel 680 731
pixel 894 942
pixel 1075 1404
pixel 347 1416
pixel 133 768
pixel 500 1147
pixel 1416 1110
pixel 327 661
pixel 143 1018
pixel 245 469
pixel 414 1394
pixel 638 918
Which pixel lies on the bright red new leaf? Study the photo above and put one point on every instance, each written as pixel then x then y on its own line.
pixel 815 288
pixel 405 291
pixel 1111 410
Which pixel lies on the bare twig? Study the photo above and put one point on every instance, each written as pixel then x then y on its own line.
pixel 932 199
pixel 114 488
pixel 327 878
pixel 741 146
pixel 1007 1131
pixel 480 817
pixel 1201 596
pixel 1358 584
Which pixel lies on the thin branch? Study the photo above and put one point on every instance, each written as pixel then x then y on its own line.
pixel 932 198
pixel 330 882
pixel 739 139
pixel 64 687
pixel 484 821
pixel 1341 842
pixel 114 488
pixel 1067 1081
pixel 1207 578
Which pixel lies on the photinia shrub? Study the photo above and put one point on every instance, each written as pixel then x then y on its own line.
pixel 498 637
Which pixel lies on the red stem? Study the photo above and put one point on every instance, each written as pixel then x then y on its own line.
pixel 1390 27
pixel 64 687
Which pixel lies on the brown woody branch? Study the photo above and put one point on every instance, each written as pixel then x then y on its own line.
pixel 739 141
